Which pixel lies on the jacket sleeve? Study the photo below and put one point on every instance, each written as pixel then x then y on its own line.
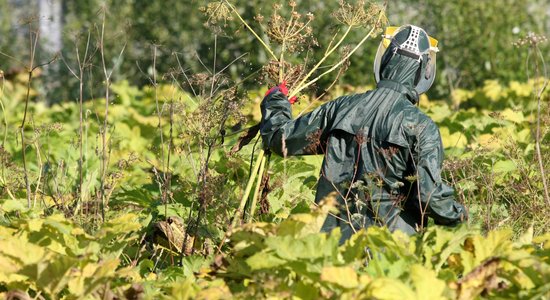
pixel 436 196
pixel 285 136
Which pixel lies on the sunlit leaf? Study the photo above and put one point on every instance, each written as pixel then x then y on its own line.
pixel 343 276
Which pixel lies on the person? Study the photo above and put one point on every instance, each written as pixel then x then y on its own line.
pixel 382 155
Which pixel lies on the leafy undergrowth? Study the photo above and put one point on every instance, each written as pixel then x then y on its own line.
pixel 73 245
pixel 489 139
pixel 50 257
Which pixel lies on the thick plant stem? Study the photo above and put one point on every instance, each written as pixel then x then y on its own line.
pixel 325 56
pixel 31 67
pixel 257 189
pixel 248 188
pixel 301 87
pixel 81 67
pixel 281 64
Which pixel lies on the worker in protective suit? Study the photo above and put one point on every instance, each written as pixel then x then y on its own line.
pixel 383 156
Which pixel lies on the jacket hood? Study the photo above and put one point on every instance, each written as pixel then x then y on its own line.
pixel 401 71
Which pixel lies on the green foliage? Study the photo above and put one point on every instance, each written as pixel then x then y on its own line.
pixel 52 257
pixel 489 138
pixel 293 258
pixel 172 186
pixel 150 243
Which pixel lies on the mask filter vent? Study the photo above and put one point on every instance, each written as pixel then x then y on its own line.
pixel 411 44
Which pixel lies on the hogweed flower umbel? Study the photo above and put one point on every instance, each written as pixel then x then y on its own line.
pixel 218 14
pixel 293 33
pixel 355 15
pixel 531 39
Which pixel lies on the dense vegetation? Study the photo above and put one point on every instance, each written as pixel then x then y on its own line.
pixel 471 53
pixel 147 194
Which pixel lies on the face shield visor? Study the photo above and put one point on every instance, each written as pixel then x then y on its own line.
pixel 410 46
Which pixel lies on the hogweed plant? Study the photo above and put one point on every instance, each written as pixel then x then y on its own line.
pixel 290 44
pixel 84 62
pixel 533 41
pixel 213 101
pixel 105 151
pixel 30 67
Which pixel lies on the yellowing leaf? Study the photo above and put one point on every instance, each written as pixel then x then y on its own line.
pixel 493 90
pixel 214 290
pixel 526 237
pixel 513 116
pixel 481 278
pixel 12 205
pixel 424 102
pixel 440 112
pixel 488 141
pixel 389 289
pixel 521 89
pixel 524 136
pixel 427 285
pixel 459 96
pixel 342 276
pixel 456 139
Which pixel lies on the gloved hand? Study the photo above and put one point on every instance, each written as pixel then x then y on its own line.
pixel 283 89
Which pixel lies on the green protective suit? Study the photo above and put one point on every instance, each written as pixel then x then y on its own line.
pixel 382 155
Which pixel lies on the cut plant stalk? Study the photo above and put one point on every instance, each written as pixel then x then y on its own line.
pixel 257 189
pixel 304 83
pixel 302 86
pixel 248 188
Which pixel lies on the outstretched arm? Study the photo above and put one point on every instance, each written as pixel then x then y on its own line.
pixel 286 136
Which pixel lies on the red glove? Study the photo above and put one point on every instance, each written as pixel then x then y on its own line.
pixel 283 89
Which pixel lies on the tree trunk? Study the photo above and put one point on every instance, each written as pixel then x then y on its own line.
pixel 51 26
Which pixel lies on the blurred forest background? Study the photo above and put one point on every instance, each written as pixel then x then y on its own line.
pixel 476 38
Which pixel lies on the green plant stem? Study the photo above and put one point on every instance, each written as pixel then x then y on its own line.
pixel 23 144
pixel 267 48
pixel 23 121
pixel 4 114
pixel 2 180
pixel 81 68
pixel 325 56
pixel 40 169
pixel 538 95
pixel 104 159
pixel 248 188
pixel 257 189
pixel 281 63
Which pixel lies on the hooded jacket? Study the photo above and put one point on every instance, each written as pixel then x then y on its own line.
pixel 382 155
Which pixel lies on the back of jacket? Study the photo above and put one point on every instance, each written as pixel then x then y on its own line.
pixel 382 155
